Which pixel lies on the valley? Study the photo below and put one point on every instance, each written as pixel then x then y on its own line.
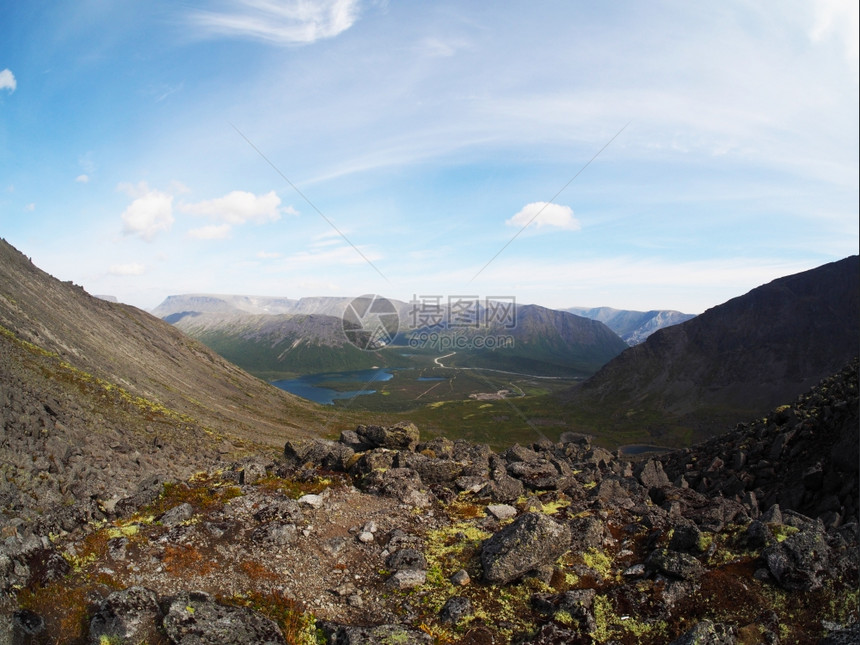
pixel 152 491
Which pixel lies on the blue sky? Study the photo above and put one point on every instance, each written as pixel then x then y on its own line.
pixel 343 147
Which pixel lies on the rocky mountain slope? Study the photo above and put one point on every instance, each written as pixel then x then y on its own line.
pixel 735 360
pixel 95 395
pixel 633 326
pixel 382 538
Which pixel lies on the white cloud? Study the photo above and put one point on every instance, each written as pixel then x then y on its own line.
pixel 30 207
pixel 214 232
pixel 267 255
pixel 82 179
pixel 337 256
pixel 838 18
pixel 281 23
pixel 238 207
pixel 150 213
pixel 7 80
pixel 127 269
pixel 545 214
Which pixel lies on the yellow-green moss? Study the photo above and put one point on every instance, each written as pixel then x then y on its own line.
pixel 783 531
pixel 598 561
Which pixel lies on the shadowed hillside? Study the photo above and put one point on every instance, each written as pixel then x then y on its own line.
pixel 733 361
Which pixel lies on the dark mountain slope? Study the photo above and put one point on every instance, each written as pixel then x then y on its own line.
pixel 736 360
pixel 547 341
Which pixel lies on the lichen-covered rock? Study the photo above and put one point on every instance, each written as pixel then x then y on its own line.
pixel 687 538
pixel 800 562
pixel 708 632
pixel 193 618
pixel 455 609
pixel 402 483
pixel 402 436
pixel 529 542
pixel 652 475
pixel 552 634
pixel 177 515
pixel 406 559
pixel 502 487
pixel 406 579
pixel 673 563
pixel 848 636
pixel 316 453
pixel 130 616
pixel 586 532
pixel 347 635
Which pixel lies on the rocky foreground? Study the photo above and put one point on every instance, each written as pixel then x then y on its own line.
pixel 382 538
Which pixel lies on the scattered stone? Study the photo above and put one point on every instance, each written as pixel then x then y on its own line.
pixel 634 571
pixel 502 511
pixel 847 636
pixel 402 436
pixel 131 615
pixel 193 618
pixel 652 475
pixel 276 533
pixel 673 563
pixel 177 515
pixel 347 635
pixel 461 578
pixel 687 538
pixel 406 559
pixel 530 541
pixel 455 610
pixel 407 579
pixel 25 625
pixel 708 632
pixel 800 562
pixel 314 501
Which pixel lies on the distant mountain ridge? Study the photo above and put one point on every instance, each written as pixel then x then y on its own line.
pixel 735 360
pixel 174 306
pixel 633 326
pixel 267 335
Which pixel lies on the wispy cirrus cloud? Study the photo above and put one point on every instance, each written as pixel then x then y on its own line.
pixel 281 23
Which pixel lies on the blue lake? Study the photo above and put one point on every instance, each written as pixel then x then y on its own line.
pixel 308 386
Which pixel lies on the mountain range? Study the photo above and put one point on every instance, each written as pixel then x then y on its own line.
pixel 275 336
pixel 633 326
